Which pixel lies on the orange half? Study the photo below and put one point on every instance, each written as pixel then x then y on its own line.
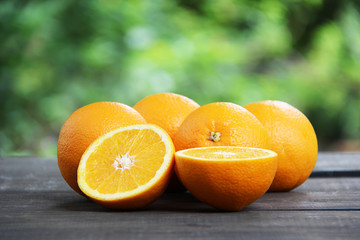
pixel 226 177
pixel 127 168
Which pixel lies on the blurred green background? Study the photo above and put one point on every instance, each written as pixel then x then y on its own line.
pixel 56 56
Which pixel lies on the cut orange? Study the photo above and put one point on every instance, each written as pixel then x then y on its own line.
pixel 226 177
pixel 127 168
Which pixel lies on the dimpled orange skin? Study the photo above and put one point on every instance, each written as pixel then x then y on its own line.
pixel 228 185
pixel 83 127
pixel 292 137
pixel 237 126
pixel 168 111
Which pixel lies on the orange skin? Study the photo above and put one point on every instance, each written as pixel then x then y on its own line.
pixel 168 111
pixel 236 126
pixel 292 137
pixel 83 127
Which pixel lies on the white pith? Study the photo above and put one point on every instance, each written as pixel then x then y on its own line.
pixel 220 151
pixel 123 162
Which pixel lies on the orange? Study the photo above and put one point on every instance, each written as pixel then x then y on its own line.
pixel 167 110
pixel 83 127
pixel 292 137
pixel 225 177
pixel 127 168
pixel 220 124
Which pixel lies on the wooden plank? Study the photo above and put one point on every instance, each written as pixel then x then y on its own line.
pixel 314 225
pixel 330 165
pixel 30 174
pixel 330 185
pixel 63 215
pixel 329 161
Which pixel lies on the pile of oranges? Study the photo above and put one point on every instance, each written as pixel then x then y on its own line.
pixel 226 155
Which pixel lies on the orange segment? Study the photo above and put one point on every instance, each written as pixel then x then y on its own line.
pixel 223 153
pixel 226 177
pixel 127 168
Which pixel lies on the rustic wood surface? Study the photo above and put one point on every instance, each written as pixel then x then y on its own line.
pixel 36 203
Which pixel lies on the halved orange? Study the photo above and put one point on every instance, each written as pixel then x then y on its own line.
pixel 226 177
pixel 127 168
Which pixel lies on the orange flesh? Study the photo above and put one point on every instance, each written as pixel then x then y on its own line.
pixel 125 161
pixel 224 154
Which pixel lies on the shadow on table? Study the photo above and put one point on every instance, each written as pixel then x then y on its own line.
pixel 71 201
pixel 179 202
pixel 169 202
pixel 185 202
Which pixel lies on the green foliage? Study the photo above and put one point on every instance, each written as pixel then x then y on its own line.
pixel 57 56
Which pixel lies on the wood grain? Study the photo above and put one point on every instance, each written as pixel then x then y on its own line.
pixel 36 203
pixel 64 215
pixel 333 161
pixel 61 215
pixel 337 165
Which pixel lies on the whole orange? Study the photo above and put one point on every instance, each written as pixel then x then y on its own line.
pixel 83 127
pixel 221 124
pixel 167 110
pixel 292 137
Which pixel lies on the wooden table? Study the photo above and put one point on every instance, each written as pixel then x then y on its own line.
pixel 35 203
